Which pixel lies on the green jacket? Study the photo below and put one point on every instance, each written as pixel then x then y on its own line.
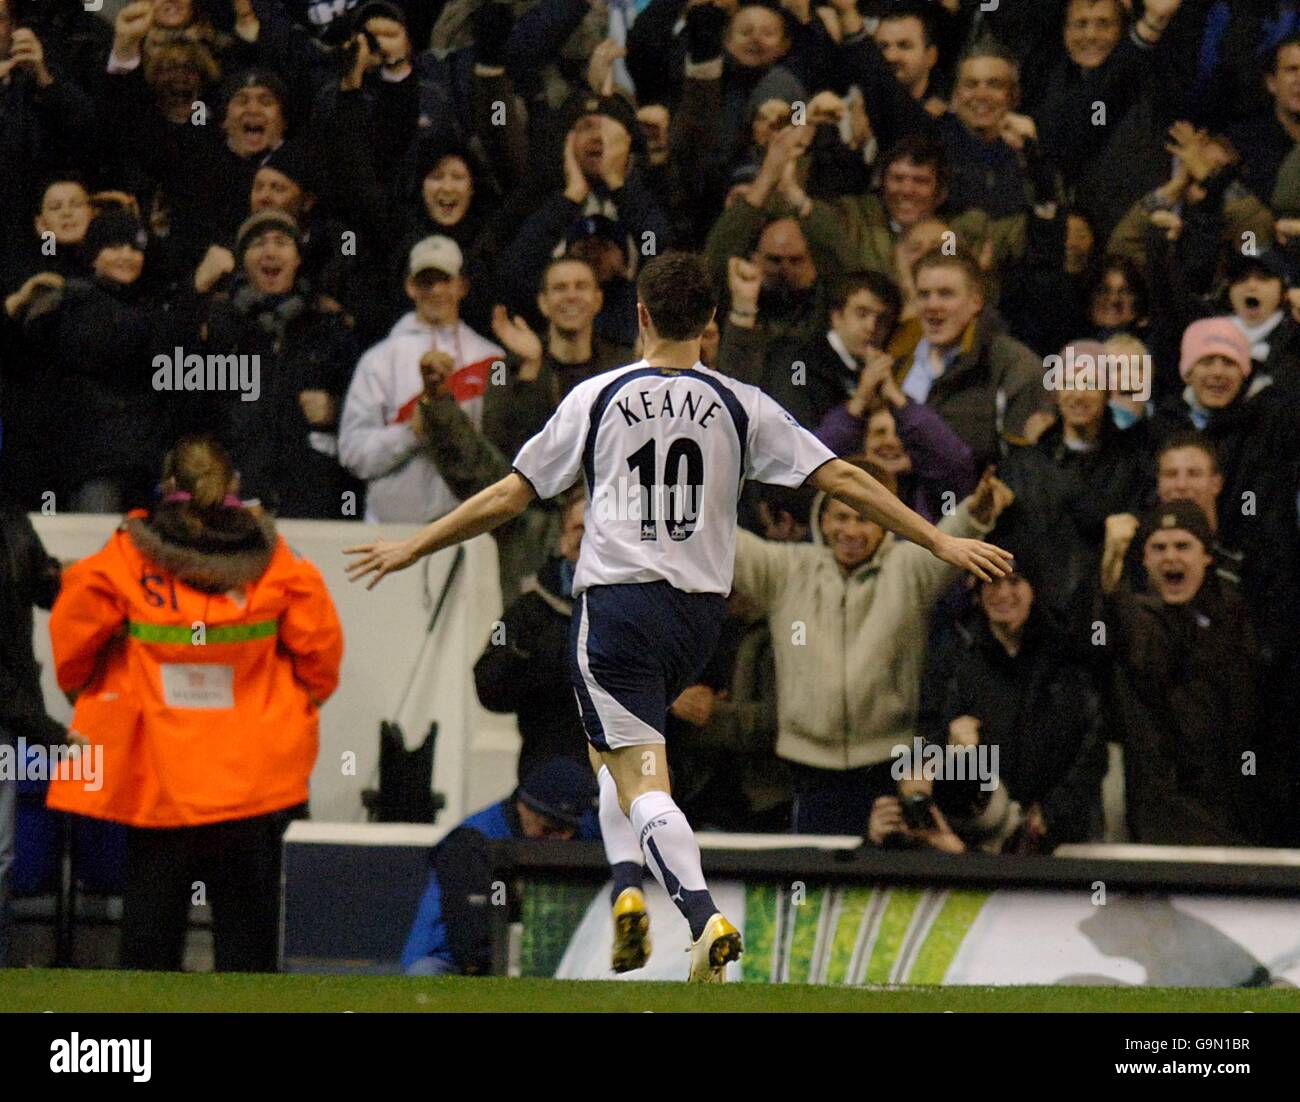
pixel 515 412
pixel 469 463
pixel 866 238
pixel 989 391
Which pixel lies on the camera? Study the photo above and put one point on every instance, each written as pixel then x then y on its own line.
pixel 917 813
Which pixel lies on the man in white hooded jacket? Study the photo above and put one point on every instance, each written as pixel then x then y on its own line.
pixel 382 434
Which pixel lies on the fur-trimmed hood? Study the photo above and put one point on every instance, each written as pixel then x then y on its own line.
pixel 238 556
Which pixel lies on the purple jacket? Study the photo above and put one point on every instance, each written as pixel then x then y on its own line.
pixel 941 461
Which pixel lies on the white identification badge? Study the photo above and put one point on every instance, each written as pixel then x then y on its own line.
pixel 198 686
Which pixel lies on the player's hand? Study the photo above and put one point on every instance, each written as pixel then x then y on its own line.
pixel 380 557
pixel 984 560
pixel 991 498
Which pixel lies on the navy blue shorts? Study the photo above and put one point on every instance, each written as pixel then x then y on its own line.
pixel 632 650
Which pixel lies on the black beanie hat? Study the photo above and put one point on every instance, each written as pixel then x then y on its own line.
pixel 1186 515
pixel 560 789
pixel 377 9
pixel 113 227
pixel 254 78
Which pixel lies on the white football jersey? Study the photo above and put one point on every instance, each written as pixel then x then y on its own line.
pixel 664 454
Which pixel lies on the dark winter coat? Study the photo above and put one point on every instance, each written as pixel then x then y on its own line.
pixel 514 413
pixel 1063 498
pixel 1039 708
pixel 304 342
pixel 1256 441
pixel 989 391
pixel 526 670
pixel 1187 698
pixel 28 578
pixel 100 338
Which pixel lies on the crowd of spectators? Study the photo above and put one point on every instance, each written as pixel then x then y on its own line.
pixel 370 246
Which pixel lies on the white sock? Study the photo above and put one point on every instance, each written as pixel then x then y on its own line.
pixel 673 855
pixel 615 827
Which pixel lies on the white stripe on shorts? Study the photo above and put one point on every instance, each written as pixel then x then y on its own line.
pixel 621 727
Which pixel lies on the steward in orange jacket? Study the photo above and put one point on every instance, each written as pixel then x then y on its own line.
pixel 200 656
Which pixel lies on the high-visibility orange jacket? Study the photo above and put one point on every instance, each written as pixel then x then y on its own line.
pixel 200 675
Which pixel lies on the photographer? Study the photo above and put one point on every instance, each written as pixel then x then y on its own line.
pixel 948 815
pixel 1006 677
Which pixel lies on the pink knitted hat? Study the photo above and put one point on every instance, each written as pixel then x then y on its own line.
pixel 1214 335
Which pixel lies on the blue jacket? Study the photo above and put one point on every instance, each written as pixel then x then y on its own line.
pixel 498 821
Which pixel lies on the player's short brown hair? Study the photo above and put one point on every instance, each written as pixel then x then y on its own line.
pixel 677 291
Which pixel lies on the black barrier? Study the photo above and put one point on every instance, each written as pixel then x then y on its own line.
pixel 868 865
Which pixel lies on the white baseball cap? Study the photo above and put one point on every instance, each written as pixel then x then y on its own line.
pixel 437 252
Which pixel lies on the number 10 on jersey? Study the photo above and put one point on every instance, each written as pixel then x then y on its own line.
pixel 667 493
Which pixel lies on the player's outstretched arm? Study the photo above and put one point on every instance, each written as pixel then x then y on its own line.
pixel 860 491
pixel 487 509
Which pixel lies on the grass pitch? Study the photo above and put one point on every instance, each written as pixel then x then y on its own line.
pixel 36 990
